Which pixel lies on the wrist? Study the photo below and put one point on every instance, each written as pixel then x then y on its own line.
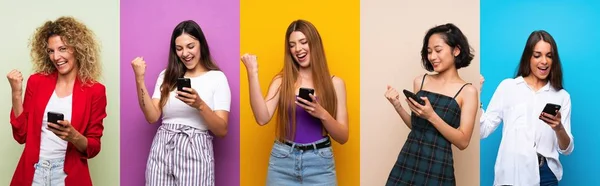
pixel 201 106
pixel 252 72
pixel 17 93
pixel 325 117
pixel 397 104
pixel 559 128
pixel 139 78
pixel 77 137
pixel 432 119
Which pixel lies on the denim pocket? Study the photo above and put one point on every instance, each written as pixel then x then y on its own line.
pixel 280 150
pixel 326 153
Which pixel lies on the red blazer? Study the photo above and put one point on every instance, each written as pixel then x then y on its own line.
pixel 89 109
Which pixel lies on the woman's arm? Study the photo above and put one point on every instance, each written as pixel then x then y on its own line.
pixel 491 119
pixel 150 107
pixel 217 120
pixel 561 124
pixel 20 107
pixel 338 126
pixel 263 108
pixel 460 136
pixel 88 142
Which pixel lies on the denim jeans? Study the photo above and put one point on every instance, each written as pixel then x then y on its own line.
pixel 291 166
pixel 49 173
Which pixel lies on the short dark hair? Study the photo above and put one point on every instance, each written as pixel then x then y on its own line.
pixel 454 38
pixel 555 77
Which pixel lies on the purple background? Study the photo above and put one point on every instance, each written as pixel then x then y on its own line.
pixel 146 27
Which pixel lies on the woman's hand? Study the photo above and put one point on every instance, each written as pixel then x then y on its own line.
pixel 15 79
pixel 250 61
pixel 313 108
pixel 190 98
pixel 64 130
pixel 139 67
pixel 392 96
pixel 423 111
pixel 554 121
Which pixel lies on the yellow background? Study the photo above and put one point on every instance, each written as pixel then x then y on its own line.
pixel 262 32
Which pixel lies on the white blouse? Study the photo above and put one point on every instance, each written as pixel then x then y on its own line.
pixel 523 134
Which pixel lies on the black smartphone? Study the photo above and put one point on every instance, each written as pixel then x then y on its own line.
pixel 54 117
pixel 551 108
pixel 409 94
pixel 183 82
pixel 304 93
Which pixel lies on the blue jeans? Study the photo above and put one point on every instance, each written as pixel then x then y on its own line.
pixel 291 166
pixel 547 177
pixel 49 173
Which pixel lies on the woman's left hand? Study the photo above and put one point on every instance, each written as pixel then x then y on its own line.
pixel 553 121
pixel 190 98
pixel 423 111
pixel 313 108
pixel 64 130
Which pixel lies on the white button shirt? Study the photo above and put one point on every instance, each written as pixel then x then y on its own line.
pixel 523 134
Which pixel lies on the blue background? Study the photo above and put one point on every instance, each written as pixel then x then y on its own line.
pixel 575 25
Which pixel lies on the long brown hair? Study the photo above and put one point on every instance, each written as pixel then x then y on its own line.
pixel 175 68
pixel 321 77
pixel 555 77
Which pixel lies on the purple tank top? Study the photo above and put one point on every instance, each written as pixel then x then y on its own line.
pixel 308 128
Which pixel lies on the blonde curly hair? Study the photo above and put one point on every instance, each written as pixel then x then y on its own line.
pixel 74 34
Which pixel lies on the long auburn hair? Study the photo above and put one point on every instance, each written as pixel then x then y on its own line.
pixel 555 77
pixel 321 77
pixel 175 68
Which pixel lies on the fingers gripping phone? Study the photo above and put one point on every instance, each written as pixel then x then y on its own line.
pixel 183 82
pixel 54 117
pixel 304 94
pixel 409 94
pixel 551 108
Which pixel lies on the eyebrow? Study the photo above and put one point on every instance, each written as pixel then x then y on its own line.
pixel 541 52
pixel 185 44
pixel 302 39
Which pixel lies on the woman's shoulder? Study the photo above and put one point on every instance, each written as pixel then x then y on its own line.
pixel 37 76
pixel 97 88
pixel 336 80
pixel 216 73
pixel 564 93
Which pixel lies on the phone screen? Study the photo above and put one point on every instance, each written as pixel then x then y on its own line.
pixel 183 82
pixel 304 93
pixel 413 96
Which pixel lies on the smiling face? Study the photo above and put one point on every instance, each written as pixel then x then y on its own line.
pixel 61 55
pixel 188 50
pixel 440 55
pixel 541 60
pixel 299 48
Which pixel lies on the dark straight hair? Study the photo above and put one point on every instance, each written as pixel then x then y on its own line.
pixel 175 68
pixel 555 77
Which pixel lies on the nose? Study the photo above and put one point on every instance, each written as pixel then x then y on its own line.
pixel 185 53
pixel 544 60
pixel 297 48
pixel 432 56
pixel 54 56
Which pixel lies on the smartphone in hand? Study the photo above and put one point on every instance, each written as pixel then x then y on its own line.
pixel 551 109
pixel 409 94
pixel 183 82
pixel 304 94
pixel 54 117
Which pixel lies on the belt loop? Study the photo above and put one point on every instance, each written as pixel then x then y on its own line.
pixel 293 146
pixel 314 145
